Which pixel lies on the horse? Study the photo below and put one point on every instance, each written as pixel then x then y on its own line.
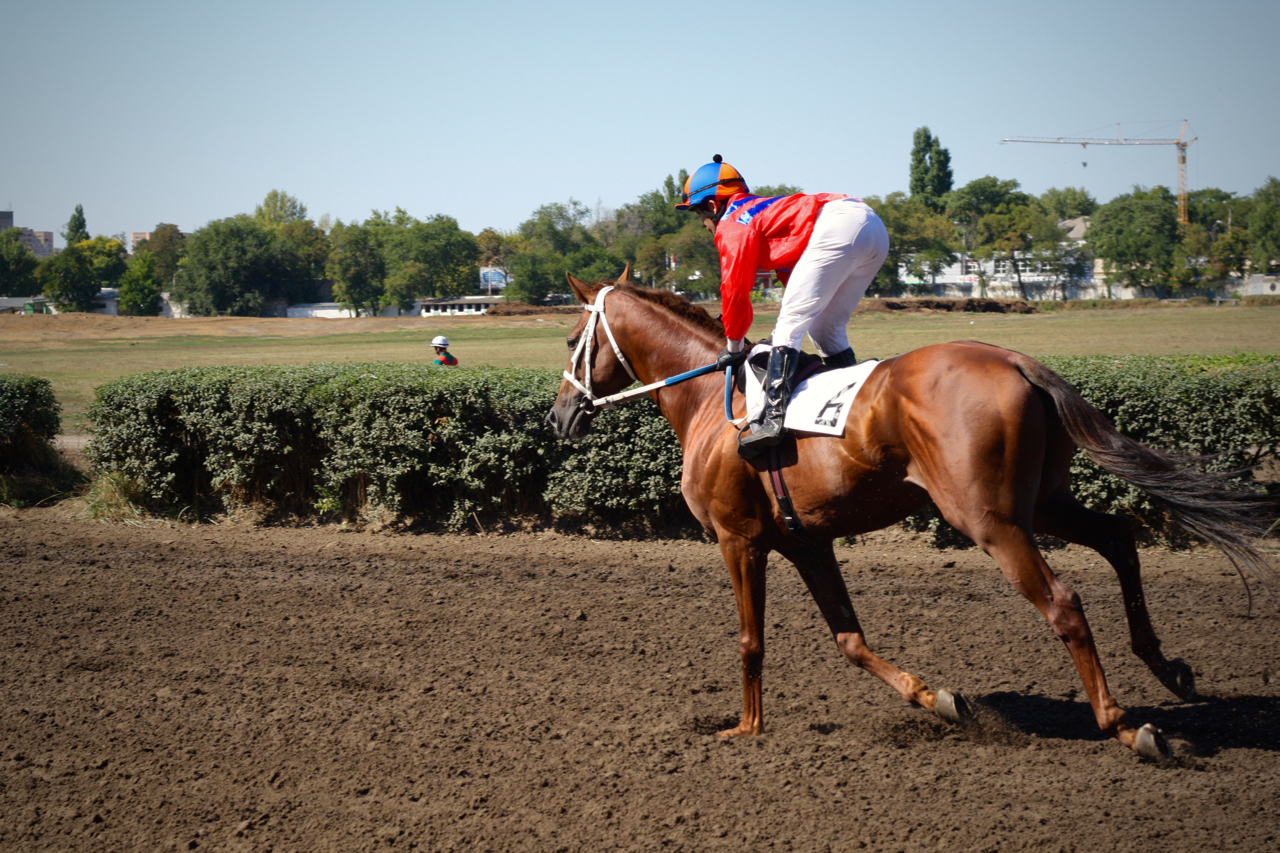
pixel 986 433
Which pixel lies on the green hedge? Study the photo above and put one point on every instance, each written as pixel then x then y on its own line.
pixel 448 448
pixel 31 470
pixel 453 448
pixel 29 416
pixel 1224 408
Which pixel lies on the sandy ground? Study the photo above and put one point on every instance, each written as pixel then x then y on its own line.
pixel 220 687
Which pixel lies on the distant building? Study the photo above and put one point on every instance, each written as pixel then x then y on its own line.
pixel 432 307
pixel 39 242
pixel 452 305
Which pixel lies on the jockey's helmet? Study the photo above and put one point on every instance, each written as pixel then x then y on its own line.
pixel 440 341
pixel 717 179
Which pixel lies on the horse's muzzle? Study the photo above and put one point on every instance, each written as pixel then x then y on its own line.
pixel 571 418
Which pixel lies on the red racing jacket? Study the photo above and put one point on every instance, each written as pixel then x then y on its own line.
pixel 766 234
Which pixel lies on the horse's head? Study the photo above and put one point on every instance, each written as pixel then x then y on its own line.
pixel 593 366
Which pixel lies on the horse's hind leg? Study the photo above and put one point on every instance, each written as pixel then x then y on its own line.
pixel 1112 537
pixel 821 573
pixel 1015 553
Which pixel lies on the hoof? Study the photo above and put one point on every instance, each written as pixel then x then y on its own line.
pixel 1180 680
pixel 952 707
pixel 1151 744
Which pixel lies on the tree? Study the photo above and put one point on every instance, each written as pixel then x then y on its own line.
pixel 1264 226
pixel 445 253
pixel 967 205
pixel 1017 232
pixel 772 190
pixel 232 267
pixel 1230 254
pixel 106 259
pixel 1137 235
pixel 1067 203
pixel 75 230
pixel 140 286
pixel 497 248
pixel 405 285
pixel 1214 209
pixel 654 213
pixel 535 275
pixel 17 265
pixel 303 252
pixel 920 240
pixel 697 261
pixel 556 240
pixel 279 208
pixel 930 169
pixel 168 246
pixel 558 227
pixel 357 267
pixel 68 280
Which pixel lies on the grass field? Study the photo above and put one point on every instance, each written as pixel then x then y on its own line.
pixel 78 353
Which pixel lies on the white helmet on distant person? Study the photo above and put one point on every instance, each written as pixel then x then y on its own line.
pixel 440 341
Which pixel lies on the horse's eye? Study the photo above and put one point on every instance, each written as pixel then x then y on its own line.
pixel 571 342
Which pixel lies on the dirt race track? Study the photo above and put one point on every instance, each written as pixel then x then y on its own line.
pixel 229 688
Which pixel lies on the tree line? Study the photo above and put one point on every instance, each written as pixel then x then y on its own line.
pixel 243 264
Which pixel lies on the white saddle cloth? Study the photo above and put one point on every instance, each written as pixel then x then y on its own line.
pixel 819 404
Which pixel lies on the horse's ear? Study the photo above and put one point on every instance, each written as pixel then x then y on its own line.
pixel 626 275
pixel 579 288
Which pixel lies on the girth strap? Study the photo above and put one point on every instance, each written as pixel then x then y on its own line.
pixel 789 517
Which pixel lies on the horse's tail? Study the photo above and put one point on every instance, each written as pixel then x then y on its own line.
pixel 1230 518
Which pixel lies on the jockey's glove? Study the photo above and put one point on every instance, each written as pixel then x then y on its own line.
pixel 730 359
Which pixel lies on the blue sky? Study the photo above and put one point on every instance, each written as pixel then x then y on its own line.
pixel 182 112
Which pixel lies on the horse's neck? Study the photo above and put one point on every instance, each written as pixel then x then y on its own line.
pixel 664 346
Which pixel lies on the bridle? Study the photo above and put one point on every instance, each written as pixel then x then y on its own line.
pixel 582 354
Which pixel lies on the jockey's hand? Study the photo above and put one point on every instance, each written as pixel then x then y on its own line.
pixel 727 359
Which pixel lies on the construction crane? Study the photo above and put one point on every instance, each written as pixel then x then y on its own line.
pixel 1183 218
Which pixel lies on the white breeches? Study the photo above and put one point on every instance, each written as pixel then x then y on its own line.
pixel 848 246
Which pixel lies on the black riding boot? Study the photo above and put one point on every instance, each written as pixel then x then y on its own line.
pixel 779 380
pixel 844 358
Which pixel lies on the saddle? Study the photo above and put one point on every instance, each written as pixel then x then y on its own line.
pixel 810 364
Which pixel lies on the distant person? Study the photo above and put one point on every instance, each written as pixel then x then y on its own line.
pixel 443 356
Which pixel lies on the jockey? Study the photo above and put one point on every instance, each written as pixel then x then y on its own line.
pixel 443 358
pixel 824 248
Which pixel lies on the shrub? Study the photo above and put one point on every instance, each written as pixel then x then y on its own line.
pixel 438 447
pixel 30 468
pixel 1261 300
pixel 28 410
pixel 449 448
pixel 1223 408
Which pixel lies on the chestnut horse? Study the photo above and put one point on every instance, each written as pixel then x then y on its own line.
pixel 987 434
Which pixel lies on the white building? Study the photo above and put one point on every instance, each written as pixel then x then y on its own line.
pixel 443 306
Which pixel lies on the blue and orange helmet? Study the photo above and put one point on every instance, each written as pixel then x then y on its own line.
pixel 717 179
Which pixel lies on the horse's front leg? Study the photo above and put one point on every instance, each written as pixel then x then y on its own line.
pixel 821 573
pixel 746 563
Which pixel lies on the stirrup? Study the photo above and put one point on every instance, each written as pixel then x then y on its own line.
pixel 752 444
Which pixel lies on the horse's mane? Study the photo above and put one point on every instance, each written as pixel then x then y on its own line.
pixel 673 302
